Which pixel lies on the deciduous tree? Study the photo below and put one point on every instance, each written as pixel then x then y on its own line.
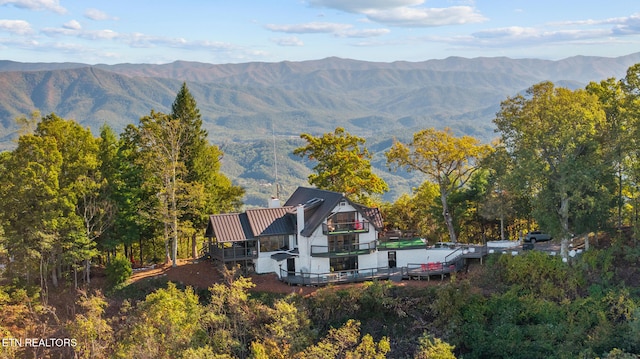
pixel 163 326
pixel 343 165
pixel 554 136
pixel 162 139
pixel 446 160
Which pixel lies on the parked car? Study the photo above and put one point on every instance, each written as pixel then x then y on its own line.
pixel 537 236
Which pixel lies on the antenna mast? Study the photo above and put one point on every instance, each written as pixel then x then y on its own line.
pixel 275 160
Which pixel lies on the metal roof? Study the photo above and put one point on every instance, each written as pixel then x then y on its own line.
pixel 271 221
pixel 318 205
pixel 232 227
pixel 373 215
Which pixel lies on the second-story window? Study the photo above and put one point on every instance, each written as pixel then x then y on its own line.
pixel 342 221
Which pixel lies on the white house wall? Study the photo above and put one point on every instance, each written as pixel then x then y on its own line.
pixel 405 257
pixel 368 261
pixel 265 264
pixel 305 262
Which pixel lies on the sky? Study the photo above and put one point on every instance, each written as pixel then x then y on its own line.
pixel 239 31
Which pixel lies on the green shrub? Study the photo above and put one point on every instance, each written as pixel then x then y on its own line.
pixel 118 271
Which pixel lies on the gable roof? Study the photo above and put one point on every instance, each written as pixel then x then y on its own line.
pixel 271 221
pixel 232 227
pixel 235 227
pixel 318 205
pixel 372 214
pixel 317 211
pixel 314 215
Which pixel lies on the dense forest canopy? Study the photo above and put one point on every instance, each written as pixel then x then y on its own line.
pixel 566 161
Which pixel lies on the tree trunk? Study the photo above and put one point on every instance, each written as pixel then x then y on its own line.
pixel 141 252
pixel 194 246
pixel 54 276
pixel 619 197
pixel 447 216
pixel 43 283
pixel 166 243
pixel 174 213
pixel 87 271
pixel 563 213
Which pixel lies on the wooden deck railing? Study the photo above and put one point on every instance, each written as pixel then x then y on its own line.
pixel 345 227
pixel 344 250
pixel 345 276
pixel 233 253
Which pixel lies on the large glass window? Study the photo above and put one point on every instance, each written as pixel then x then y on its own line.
pixel 342 243
pixel 274 243
pixel 341 221
pixel 343 263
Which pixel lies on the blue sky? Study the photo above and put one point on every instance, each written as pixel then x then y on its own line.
pixel 234 31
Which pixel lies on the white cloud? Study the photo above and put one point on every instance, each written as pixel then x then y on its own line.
pixel 339 30
pixel 72 25
pixel 49 5
pixel 406 13
pixel 98 15
pixel 18 27
pixel 366 33
pixel 288 41
pixel 309 28
pixel 507 32
pixel 518 37
pixel 359 6
pixel 425 17
pixel 73 28
pixel 626 25
pixel 582 32
pixel 105 34
pixel 136 40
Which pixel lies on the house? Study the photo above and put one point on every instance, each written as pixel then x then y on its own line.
pixel 318 237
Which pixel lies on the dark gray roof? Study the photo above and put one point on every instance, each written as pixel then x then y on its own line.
pixel 254 223
pixel 315 215
pixel 285 255
pixel 271 221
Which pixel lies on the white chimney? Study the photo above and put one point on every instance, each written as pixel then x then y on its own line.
pixel 274 202
pixel 300 217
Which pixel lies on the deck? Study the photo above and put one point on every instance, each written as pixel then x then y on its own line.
pixel 347 276
pixel 454 262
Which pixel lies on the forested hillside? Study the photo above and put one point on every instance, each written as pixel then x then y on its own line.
pixel 79 211
pixel 245 105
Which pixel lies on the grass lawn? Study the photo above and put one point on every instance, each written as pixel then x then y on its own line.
pixel 402 244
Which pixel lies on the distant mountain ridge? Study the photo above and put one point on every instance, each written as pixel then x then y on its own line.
pixel 314 94
pixel 250 102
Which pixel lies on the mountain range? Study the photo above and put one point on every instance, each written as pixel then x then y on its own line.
pixel 254 109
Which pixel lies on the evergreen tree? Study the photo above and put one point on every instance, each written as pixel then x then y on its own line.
pixel 212 192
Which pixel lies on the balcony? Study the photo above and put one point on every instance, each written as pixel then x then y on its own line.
pixel 233 253
pixel 345 227
pixel 353 249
